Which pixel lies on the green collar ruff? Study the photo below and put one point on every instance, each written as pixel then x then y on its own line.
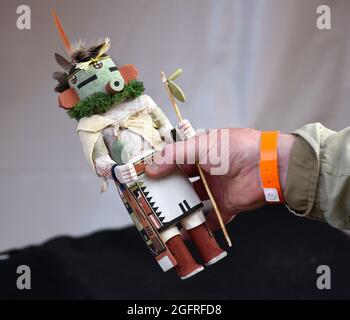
pixel 101 102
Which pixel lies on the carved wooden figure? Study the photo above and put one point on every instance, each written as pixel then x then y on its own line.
pixel 120 128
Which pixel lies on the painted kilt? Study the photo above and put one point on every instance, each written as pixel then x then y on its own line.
pixel 155 204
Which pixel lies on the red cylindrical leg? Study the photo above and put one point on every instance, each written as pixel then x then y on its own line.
pixel 206 244
pixel 186 265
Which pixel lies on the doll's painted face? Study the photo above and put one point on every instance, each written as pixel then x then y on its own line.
pixel 100 76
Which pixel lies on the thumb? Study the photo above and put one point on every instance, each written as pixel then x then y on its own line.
pixel 154 170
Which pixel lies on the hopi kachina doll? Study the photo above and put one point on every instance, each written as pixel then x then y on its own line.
pixel 120 128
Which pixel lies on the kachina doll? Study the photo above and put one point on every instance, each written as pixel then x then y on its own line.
pixel 120 128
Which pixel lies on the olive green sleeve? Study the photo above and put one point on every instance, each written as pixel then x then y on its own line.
pixel 318 180
pixel 159 118
pixel 163 125
pixel 100 148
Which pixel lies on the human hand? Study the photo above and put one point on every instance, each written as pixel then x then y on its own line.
pixel 239 187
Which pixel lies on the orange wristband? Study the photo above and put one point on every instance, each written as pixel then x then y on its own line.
pixel 269 167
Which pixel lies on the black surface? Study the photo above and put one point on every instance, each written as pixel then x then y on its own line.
pixel 274 256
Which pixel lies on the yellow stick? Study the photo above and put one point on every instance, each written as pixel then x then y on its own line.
pixel 215 206
pixel 207 188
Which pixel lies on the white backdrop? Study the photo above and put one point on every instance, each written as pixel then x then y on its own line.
pixel 261 64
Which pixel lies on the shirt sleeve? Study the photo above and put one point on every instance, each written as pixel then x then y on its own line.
pixel 318 179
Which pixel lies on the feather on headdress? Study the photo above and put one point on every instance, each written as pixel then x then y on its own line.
pixel 61 32
pixel 104 48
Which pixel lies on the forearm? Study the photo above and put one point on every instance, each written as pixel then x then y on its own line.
pixel 314 173
pixel 102 161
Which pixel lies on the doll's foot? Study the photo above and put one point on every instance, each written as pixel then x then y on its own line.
pixel 206 244
pixel 186 266
pixel 217 258
pixel 199 269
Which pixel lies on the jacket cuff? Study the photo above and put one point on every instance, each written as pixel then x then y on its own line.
pixel 302 178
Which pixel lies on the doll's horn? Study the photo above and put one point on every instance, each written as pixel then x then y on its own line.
pixel 68 99
pixel 128 72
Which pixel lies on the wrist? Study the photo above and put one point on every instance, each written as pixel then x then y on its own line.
pixel 284 147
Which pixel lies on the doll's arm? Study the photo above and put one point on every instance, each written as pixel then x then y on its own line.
pixel 124 173
pixel 102 160
pixel 162 124
pixel 184 129
pixel 106 167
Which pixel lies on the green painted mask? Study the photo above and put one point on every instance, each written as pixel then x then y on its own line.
pixel 101 75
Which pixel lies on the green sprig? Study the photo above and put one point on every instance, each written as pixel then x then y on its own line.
pixel 101 102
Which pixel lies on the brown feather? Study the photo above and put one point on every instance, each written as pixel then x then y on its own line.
pixel 63 62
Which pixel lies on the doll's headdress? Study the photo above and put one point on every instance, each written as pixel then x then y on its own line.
pixel 78 59
pixel 88 70
pixel 102 50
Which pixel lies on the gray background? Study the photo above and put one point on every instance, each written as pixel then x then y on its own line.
pixel 261 64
